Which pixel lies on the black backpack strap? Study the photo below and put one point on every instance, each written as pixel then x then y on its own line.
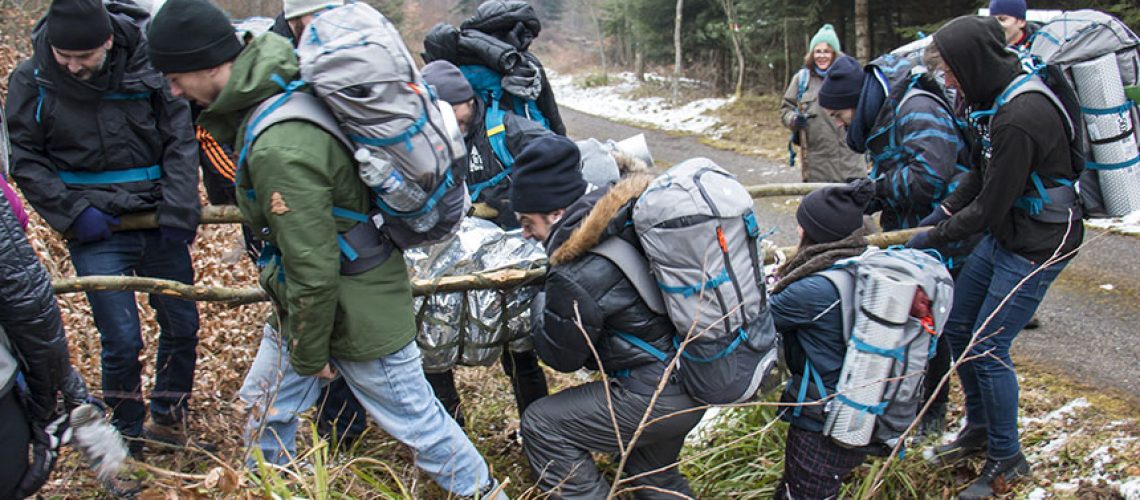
pixel 635 267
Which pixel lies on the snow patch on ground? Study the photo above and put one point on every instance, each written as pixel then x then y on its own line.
pixel 707 428
pixel 610 102
pixel 1129 224
pixel 1131 488
pixel 1064 411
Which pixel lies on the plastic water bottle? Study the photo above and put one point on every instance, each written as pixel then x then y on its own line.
pixel 379 173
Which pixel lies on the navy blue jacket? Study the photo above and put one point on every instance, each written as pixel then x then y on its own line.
pixel 807 315
pixel 920 169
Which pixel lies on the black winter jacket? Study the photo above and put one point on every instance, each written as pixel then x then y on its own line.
pixel 30 319
pixel 1027 136
pixel 124 118
pixel 589 286
pixel 484 164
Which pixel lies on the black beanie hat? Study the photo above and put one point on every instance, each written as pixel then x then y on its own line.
pixel 449 82
pixel 843 84
pixel 78 24
pixel 190 35
pixel 547 176
pixel 831 214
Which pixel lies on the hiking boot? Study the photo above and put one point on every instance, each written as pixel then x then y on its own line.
pixel 932 424
pixel 996 477
pixel 135 447
pixel 971 442
pixel 171 433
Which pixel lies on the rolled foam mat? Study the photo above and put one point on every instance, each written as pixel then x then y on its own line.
pixel 1099 88
pixel 865 375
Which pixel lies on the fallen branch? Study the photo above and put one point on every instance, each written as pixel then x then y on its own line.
pixel 229 214
pixel 787 189
pixel 495 280
pixel 197 293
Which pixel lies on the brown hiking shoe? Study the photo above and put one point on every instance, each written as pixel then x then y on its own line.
pixel 171 435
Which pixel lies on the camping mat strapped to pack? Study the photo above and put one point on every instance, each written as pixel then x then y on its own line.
pixel 1097 53
pixel 881 385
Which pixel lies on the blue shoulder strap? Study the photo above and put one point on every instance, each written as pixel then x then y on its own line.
pixel 488 86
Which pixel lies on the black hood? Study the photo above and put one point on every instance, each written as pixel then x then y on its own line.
pixel 125 61
pixel 974 48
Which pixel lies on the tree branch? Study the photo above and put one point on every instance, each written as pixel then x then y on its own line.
pixel 494 280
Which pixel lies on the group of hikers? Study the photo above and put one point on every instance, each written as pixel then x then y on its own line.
pixel 116 112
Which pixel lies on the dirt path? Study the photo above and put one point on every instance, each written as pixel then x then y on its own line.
pixel 1090 319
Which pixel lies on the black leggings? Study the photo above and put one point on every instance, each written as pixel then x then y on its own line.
pixel 14 439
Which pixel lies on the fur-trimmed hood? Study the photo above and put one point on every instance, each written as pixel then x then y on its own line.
pixel 594 218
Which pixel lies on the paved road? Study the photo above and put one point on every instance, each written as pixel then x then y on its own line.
pixel 1090 319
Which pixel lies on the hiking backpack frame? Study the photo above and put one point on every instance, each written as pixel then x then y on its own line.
pixel 702 265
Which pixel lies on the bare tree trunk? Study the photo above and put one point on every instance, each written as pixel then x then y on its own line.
pixel 787 56
pixel 729 7
pixel 638 62
pixel 677 51
pixel 593 9
pixel 862 31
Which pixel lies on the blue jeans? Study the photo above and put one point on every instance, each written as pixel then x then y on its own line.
pixel 142 253
pixel 392 389
pixel 988 381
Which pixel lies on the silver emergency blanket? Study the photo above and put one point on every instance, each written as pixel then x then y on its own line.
pixel 1099 87
pixel 472 328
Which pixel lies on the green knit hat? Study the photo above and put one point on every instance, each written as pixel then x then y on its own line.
pixel 827 35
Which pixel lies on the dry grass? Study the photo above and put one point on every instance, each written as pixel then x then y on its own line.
pixel 380 468
pixel 752 125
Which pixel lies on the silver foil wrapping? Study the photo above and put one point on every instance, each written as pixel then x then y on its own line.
pixel 472 328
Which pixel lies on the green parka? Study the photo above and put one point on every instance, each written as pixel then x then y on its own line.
pixel 295 173
pixel 826 158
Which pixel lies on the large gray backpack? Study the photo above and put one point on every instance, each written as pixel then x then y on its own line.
pixel 700 236
pixel 880 386
pixel 356 62
pixel 1097 55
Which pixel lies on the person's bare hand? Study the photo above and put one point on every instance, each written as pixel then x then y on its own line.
pixel 327 373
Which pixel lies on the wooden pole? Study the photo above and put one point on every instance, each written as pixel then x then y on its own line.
pixel 229 214
pixel 494 280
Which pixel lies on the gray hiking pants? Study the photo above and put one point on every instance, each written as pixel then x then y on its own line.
pixel 560 431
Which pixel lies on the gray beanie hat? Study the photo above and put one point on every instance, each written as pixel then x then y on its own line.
pixel 449 82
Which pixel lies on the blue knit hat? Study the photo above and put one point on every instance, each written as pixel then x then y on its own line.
pixel 843 84
pixel 1012 8
pixel 827 35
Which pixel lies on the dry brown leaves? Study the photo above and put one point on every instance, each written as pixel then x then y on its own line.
pixel 228 340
